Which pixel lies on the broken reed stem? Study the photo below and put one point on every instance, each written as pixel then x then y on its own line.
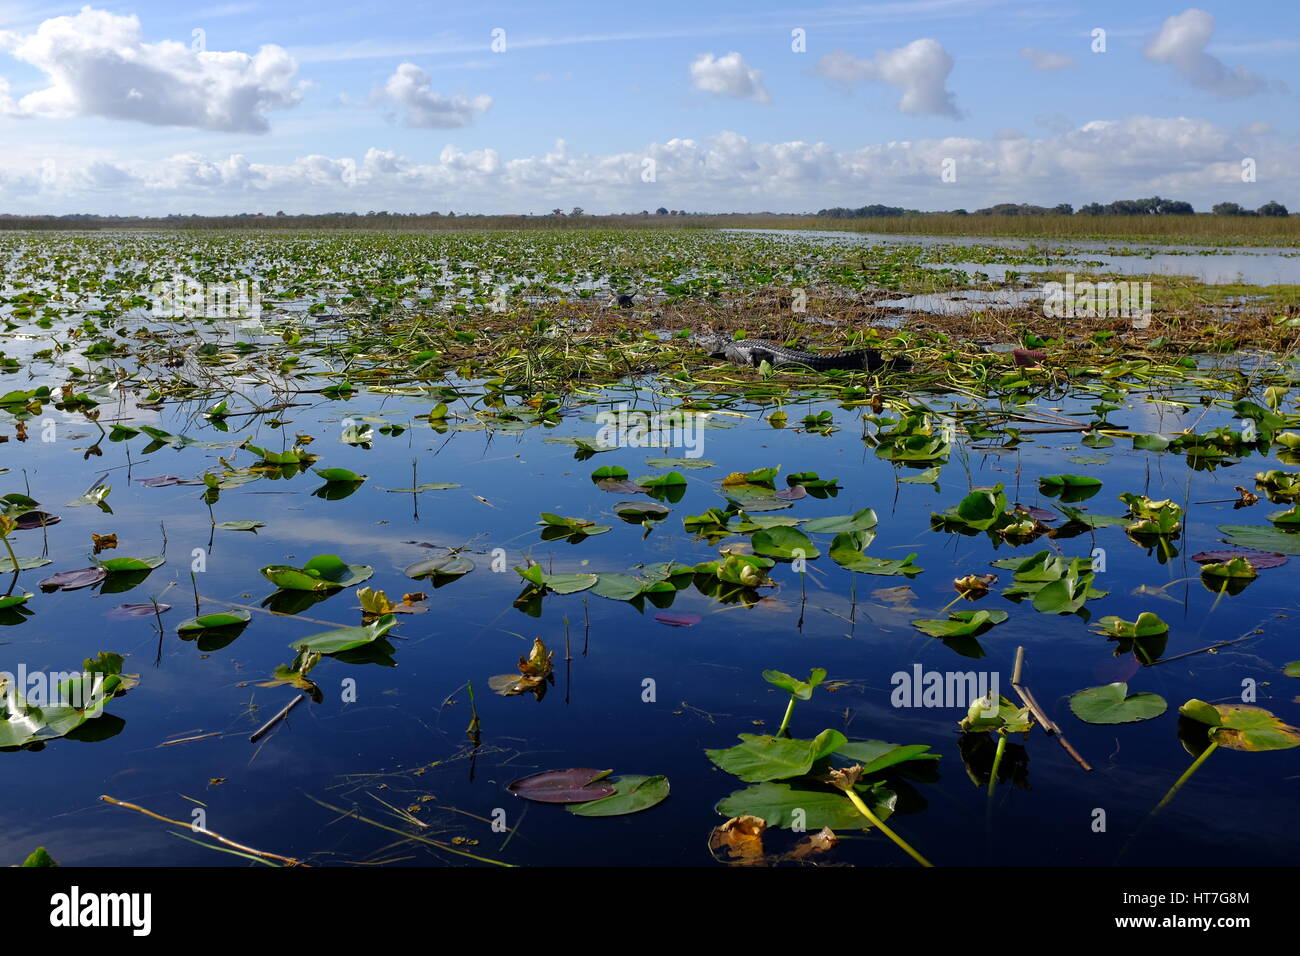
pixel 1027 698
pixel 262 731
pixel 265 854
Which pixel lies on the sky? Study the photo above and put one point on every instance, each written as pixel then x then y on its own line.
pixel 151 108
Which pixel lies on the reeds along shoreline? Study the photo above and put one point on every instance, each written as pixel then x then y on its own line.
pixel 1197 229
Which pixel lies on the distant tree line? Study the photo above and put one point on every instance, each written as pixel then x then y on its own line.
pixel 1232 209
pixel 1154 206
pixel 558 218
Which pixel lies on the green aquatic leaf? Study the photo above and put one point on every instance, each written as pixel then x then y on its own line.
pixel 929 476
pixel 759 758
pixel 114 565
pixel 1069 487
pixel 324 572
pixel 346 638
pixel 1261 538
pixel 801 689
pixel 338 474
pixel 1006 718
pixel 24 564
pixel 877 755
pixel 846 551
pixel 808 805
pixel 632 794
pixel 863 520
pixel 785 543
pixel 1146 625
pixel 1242 727
pixel 961 624
pixel 209 622
pixel 444 566
pixel 674 463
pixel 1113 704
pixel 618 587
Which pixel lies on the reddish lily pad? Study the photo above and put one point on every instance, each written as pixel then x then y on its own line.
pixel 678 620
pixel 579 785
pixel 1028 358
pixel 124 611
pixel 1257 559
pixel 35 519
pixel 72 580
pixel 1038 514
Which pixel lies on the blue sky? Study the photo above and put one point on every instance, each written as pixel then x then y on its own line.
pixel 121 107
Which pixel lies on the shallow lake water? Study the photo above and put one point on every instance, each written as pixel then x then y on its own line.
pixel 401 739
pixel 631 693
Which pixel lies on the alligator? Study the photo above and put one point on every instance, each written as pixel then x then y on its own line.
pixel 755 351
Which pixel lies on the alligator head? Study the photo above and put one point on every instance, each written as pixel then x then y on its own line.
pixel 713 343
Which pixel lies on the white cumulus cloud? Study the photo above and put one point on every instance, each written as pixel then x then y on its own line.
pixel 1101 160
pixel 97 64
pixel 920 70
pixel 728 75
pixel 411 89
pixel 1181 44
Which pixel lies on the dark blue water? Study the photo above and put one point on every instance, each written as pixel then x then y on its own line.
pixel 403 740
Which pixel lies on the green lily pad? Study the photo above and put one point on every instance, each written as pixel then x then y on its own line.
pixel 1242 727
pixel 210 621
pixel 877 755
pixel 24 564
pixel 784 542
pixel 863 520
pixel 13 600
pixel 805 804
pixel 846 551
pixel 632 794
pixel 1262 538
pixel 1146 625
pixel 346 638
pixel 338 474
pixel 445 566
pixel 240 525
pixel 115 565
pixel 1113 704
pixel 961 624
pixel 322 573
pixel 759 758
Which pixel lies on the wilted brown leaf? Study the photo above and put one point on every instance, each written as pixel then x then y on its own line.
pixel 814 843
pixel 739 841
pixel 103 542
pixel 974 586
